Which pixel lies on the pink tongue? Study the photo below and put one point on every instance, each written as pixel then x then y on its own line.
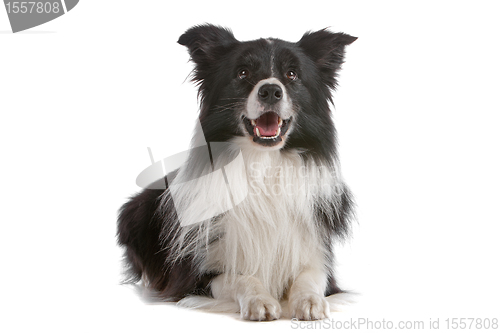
pixel 267 124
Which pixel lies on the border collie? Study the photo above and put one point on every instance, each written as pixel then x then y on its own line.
pixel 252 215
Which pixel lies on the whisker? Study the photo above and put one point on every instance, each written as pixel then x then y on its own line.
pixel 235 98
pixel 253 85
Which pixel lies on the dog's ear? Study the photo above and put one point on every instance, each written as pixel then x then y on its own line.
pixel 327 49
pixel 205 42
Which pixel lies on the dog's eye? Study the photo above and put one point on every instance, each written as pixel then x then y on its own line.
pixel 291 75
pixel 243 74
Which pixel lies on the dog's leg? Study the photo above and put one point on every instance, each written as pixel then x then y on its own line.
pixel 255 301
pixel 306 297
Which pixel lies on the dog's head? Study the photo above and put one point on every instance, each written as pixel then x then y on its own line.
pixel 274 92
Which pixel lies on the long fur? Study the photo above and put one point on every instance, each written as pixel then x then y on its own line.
pixel 287 205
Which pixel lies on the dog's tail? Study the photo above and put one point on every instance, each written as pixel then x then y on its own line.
pixel 209 304
pixel 341 301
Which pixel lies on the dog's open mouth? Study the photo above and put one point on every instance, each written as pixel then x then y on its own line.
pixel 267 130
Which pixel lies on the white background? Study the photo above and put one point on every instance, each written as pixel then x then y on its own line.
pixel 417 113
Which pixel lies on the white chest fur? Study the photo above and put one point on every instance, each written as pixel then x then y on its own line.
pixel 272 234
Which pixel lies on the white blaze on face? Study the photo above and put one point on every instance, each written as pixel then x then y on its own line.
pixel 255 108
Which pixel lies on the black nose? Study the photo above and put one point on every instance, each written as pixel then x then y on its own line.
pixel 270 93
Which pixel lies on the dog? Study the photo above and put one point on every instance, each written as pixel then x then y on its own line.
pixel 254 220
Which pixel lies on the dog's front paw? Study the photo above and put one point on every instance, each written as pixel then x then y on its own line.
pixel 260 307
pixel 309 307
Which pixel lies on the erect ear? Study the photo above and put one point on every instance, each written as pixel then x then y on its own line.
pixel 204 42
pixel 326 48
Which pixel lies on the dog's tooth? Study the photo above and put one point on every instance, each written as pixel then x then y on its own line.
pixel 257 131
pixel 253 122
pixel 278 132
pixel 280 122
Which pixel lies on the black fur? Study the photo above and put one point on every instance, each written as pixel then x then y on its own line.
pixel 142 230
pixel 146 231
pixel 339 226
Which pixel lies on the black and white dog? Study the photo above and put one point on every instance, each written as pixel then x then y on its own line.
pixel 254 220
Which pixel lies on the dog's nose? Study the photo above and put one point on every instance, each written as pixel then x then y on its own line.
pixel 270 93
